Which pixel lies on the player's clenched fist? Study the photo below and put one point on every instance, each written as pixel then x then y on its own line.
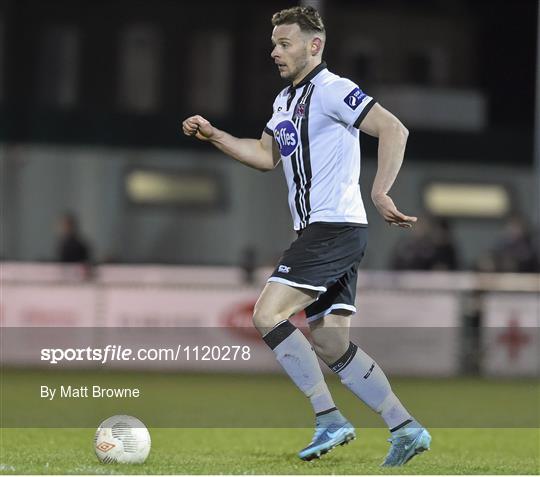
pixel 199 127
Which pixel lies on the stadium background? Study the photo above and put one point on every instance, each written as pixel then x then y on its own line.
pixel 91 98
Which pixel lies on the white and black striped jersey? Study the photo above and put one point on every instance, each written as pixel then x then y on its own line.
pixel 315 126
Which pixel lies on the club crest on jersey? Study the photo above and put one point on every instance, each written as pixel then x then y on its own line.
pixel 286 137
pixel 354 98
pixel 299 111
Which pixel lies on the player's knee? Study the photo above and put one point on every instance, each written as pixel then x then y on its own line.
pixel 265 319
pixel 320 350
pixel 329 351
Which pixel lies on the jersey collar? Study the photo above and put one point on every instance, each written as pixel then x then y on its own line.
pixel 314 72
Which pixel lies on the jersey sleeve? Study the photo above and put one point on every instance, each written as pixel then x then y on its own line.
pixel 345 101
pixel 269 128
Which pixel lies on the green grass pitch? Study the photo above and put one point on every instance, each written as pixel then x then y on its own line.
pixel 503 437
pixel 271 451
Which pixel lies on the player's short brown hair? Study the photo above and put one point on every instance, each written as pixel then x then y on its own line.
pixel 307 18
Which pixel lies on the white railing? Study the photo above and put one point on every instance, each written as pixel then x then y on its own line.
pixel 416 323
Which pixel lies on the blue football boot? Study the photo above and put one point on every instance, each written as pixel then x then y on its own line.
pixel 328 436
pixel 406 443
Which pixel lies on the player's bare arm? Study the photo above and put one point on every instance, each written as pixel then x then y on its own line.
pixel 261 154
pixel 392 136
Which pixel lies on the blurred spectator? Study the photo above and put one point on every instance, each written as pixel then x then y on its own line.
pixel 248 263
pixel 72 248
pixel 429 247
pixel 514 252
pixel 444 252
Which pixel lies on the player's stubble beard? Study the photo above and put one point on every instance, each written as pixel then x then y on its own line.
pixel 301 63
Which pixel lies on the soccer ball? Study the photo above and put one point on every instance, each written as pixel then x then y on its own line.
pixel 122 439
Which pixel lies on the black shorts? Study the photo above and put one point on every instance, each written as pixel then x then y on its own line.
pixel 324 258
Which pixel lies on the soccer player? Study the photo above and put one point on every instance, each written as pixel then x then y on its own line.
pixel 314 133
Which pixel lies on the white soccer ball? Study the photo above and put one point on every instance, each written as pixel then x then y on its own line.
pixel 122 439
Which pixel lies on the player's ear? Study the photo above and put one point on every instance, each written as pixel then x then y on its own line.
pixel 316 46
